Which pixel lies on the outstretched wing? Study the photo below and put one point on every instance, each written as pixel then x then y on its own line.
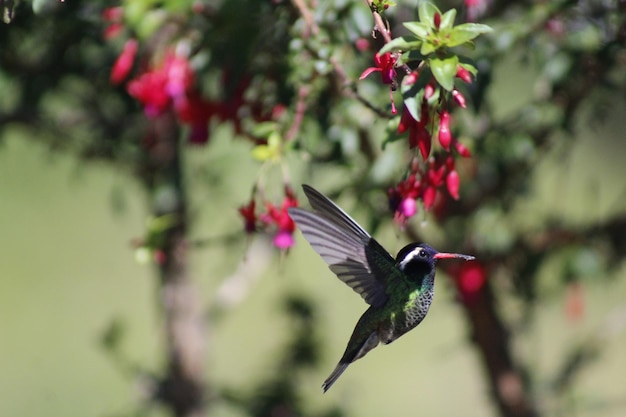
pixel 351 253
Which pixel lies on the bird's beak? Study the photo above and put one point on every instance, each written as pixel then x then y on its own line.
pixel 443 255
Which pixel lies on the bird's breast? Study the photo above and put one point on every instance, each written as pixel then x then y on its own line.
pixel 410 312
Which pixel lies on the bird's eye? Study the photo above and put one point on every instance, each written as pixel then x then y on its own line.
pixel 423 253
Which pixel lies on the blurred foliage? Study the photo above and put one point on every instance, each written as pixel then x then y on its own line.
pixel 282 77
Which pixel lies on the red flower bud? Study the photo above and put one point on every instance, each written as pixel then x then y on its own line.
pixel 429 90
pixel 124 63
pixel 452 182
pixel 463 74
pixel 411 78
pixel 445 137
pixel 437 20
pixel 362 44
pixel 462 149
pixel 429 197
pixel 420 137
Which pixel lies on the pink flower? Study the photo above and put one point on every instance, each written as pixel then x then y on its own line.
pixel 283 240
pixel 402 199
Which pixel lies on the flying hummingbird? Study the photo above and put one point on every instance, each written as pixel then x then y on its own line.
pixel 398 291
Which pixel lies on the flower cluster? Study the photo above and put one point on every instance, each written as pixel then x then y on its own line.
pixel 166 82
pixel 275 218
pixel 423 183
pixel 437 171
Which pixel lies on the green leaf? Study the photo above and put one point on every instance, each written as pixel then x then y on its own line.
pixel 427 12
pixel 271 151
pixel 264 129
pixel 261 153
pixel 465 33
pixel 412 104
pixel 420 30
pixel 444 70
pixel 404 43
pixel 427 48
pixel 447 20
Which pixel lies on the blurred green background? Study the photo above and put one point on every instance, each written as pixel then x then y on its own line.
pixel 68 271
pixel 81 326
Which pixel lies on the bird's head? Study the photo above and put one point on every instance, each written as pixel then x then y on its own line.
pixel 421 258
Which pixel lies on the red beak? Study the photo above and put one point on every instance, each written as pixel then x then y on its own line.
pixel 443 255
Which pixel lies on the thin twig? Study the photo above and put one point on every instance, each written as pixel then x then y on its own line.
pixel 310 27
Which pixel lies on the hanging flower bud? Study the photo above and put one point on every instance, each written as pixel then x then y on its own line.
pixel 420 137
pixel 429 197
pixel 124 62
pixel 463 74
pixel 459 98
pixel 429 90
pixel 452 183
pixel 445 137
pixel 462 149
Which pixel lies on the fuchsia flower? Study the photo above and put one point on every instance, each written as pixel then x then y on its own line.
pixel 419 136
pixel 149 89
pixel 276 218
pixel 423 184
pixel 170 84
pixel 279 217
pixel 249 216
pixel 386 65
pixel 470 278
pixel 402 199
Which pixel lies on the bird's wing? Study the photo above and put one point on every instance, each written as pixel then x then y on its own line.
pixel 351 253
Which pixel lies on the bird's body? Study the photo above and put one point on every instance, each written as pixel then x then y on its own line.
pixel 399 291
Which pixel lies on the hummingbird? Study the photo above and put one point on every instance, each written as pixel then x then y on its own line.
pixel 399 291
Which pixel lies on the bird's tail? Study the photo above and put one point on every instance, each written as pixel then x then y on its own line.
pixel 341 366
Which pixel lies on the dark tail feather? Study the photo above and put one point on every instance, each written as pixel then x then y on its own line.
pixel 341 366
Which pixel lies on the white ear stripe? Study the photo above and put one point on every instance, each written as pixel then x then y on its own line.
pixel 409 257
